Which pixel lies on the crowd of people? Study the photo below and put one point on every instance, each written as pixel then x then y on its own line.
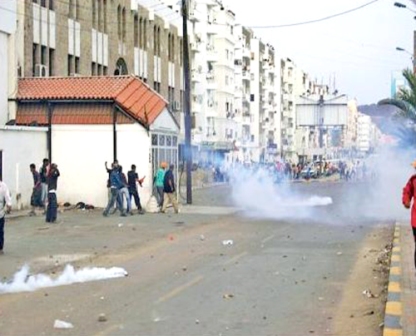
pixel 122 189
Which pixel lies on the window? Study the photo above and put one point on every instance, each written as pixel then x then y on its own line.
pixel 158 41
pixel 252 97
pixel 77 70
pixel 93 69
pixel 181 51
pixel 69 65
pixel 105 16
pixel 136 31
pixel 43 55
pixel 51 5
pixel 35 59
pixel 99 70
pixel 51 62
pixel 155 42
pixel 145 35
pixel 70 9
pixel 124 25
pixel 105 70
pixel 141 37
pixel 99 21
pixel 43 3
pixel 119 22
pixel 93 13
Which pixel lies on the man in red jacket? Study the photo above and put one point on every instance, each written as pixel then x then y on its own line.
pixel 409 192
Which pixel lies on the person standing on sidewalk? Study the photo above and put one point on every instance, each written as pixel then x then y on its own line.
pixel 409 193
pixel 115 185
pixel 43 172
pixel 5 207
pixel 169 190
pixel 36 198
pixel 52 209
pixel 159 183
pixel 132 180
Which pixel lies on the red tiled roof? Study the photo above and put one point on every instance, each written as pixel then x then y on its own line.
pixel 69 114
pixel 131 94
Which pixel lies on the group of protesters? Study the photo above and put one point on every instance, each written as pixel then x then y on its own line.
pixel 122 189
pixel 45 185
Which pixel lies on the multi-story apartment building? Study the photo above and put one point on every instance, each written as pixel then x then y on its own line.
pixel 244 117
pixel 102 37
pixel 288 109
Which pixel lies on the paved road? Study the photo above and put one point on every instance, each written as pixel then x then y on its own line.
pixel 279 277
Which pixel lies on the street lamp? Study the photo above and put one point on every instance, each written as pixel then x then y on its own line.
pixel 411 57
pixel 400 5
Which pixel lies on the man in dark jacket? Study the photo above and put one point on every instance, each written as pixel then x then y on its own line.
pixel 116 184
pixel 52 179
pixel 169 190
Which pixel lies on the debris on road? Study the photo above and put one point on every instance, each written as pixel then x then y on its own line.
pixel 227 242
pixel 368 313
pixel 369 294
pixel 102 318
pixel 196 321
pixel 228 296
pixel 202 237
pixel 339 253
pixel 120 225
pixel 58 324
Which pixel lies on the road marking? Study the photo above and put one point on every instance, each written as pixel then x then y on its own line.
pixel 235 258
pixel 395 271
pixel 176 291
pixel 394 287
pixel 395 257
pixel 394 308
pixel 392 332
pixel 265 240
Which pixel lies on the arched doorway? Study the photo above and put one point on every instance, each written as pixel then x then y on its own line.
pixel 121 68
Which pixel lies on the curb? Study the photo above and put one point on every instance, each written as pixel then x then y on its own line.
pixel 394 306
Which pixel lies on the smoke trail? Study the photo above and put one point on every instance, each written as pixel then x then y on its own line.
pixel 23 282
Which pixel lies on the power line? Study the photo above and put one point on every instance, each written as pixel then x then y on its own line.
pixel 316 20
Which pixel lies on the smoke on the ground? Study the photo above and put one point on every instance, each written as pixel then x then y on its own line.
pixel 24 282
pixel 374 199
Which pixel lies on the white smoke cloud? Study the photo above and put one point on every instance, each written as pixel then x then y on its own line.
pixel 344 203
pixel 258 196
pixel 23 282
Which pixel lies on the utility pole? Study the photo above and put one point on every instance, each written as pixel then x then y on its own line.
pixel 187 100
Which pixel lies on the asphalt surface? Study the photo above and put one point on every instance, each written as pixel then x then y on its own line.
pixel 277 276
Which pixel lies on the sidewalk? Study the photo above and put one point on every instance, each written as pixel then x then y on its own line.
pixel 400 318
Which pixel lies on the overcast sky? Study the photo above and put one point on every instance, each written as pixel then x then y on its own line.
pixel 358 49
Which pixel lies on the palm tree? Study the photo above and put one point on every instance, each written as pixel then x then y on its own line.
pixel 405 116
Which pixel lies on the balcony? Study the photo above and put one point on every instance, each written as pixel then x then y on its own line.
pixel 211 55
pixel 246 75
pixel 211 84
pixel 195 46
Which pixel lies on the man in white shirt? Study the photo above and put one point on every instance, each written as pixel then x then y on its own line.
pixel 5 206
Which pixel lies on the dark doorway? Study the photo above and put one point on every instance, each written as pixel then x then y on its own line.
pixel 121 68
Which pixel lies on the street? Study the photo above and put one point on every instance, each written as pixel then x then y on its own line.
pixel 210 270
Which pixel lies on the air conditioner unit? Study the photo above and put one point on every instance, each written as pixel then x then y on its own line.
pixel 176 105
pixel 41 70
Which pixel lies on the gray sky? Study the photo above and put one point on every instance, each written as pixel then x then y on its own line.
pixel 358 49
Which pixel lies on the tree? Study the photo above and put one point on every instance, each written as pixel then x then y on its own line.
pixel 405 116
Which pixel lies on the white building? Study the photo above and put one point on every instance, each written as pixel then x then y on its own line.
pixel 19 146
pixel 365 132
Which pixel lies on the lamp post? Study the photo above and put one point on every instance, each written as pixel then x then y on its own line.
pixel 187 101
pixel 411 57
pixel 400 5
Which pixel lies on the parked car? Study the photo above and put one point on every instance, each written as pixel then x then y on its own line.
pixel 310 171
